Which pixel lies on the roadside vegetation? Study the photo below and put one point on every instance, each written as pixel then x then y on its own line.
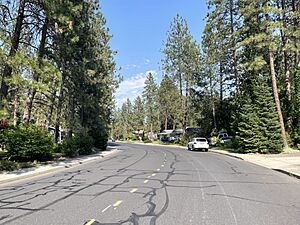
pixel 244 79
pixel 57 73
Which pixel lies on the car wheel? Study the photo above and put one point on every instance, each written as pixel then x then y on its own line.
pixel 193 148
pixel 188 148
pixel 206 149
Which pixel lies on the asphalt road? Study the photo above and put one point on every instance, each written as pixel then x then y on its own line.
pixel 155 185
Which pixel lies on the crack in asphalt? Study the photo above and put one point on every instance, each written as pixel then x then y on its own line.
pixel 54 185
pixel 135 218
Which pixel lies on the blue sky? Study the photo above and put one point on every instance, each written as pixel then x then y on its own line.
pixel 139 28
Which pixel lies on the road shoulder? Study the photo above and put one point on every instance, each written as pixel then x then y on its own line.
pixel 17 175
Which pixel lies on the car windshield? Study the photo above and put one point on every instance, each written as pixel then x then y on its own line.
pixel 201 139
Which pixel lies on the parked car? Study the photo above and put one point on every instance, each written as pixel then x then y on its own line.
pixel 225 139
pixel 198 143
pixel 222 135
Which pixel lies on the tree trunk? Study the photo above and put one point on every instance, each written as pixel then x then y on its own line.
pixel 213 102
pixel 186 106
pixel 234 55
pixel 71 116
pixel 51 109
pixel 13 49
pixel 221 83
pixel 296 27
pixel 32 91
pixel 166 122
pixel 276 97
pixel 59 109
pixel 16 107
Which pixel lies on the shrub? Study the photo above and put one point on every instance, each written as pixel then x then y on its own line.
pixel 131 137
pixel 69 148
pixel 81 144
pixel 27 143
pixel 147 141
pixel 6 165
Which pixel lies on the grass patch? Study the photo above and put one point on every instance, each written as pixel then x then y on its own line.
pixel 6 165
pixel 289 151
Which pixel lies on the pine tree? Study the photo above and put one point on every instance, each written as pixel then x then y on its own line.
pixel 248 134
pixel 182 58
pixel 138 114
pixel 150 97
pixel 168 95
pixel 270 140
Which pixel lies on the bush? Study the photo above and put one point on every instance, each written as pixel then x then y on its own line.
pixel 147 141
pixel 81 144
pixel 6 165
pixel 27 143
pixel 131 137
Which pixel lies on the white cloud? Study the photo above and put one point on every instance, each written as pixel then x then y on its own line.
pixel 130 66
pixel 132 87
pixel 147 61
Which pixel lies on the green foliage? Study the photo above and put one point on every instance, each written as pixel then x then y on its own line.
pixel 27 143
pixel 296 105
pixel 258 127
pixel 169 102
pixel 130 137
pixel 6 165
pixel 150 96
pixel 81 144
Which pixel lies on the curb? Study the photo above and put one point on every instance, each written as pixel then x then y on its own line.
pixel 223 153
pixel 66 165
pixel 287 173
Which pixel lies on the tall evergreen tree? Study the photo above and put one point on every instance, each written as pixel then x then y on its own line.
pixel 168 95
pixel 150 97
pixel 182 58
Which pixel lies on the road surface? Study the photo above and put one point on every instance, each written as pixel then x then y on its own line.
pixel 155 185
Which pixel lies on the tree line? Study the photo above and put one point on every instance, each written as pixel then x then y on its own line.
pixel 244 77
pixel 57 67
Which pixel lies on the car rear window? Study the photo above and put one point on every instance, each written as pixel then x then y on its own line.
pixel 201 139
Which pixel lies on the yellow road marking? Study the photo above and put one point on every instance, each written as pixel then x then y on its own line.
pixel 90 222
pixel 162 165
pixel 133 190
pixel 149 176
pixel 146 181
pixel 153 174
pixel 117 203
pixel 158 169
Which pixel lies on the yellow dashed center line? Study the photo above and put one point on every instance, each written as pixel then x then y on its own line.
pixel 158 169
pixel 90 222
pixel 117 203
pixel 149 176
pixel 153 174
pixel 133 190
pixel 146 181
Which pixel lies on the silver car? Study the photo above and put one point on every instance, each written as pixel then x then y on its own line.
pixel 198 143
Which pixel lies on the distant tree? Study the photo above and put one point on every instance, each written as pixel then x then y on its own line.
pixel 138 114
pixel 150 97
pixel 168 96
pixel 181 61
